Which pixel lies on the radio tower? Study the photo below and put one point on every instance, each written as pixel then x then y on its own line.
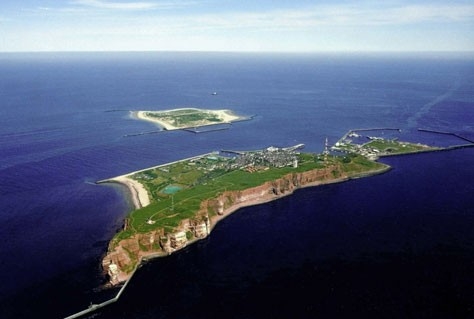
pixel 326 151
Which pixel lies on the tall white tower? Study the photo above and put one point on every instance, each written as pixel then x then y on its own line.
pixel 326 150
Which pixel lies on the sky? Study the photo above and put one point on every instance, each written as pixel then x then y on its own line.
pixel 242 25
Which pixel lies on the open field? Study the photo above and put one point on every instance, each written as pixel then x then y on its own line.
pixel 176 190
pixel 205 178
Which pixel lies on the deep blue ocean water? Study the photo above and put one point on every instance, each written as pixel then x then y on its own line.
pixel 396 245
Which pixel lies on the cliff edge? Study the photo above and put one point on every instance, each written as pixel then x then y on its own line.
pixel 125 255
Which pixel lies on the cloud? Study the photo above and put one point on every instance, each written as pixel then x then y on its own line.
pixel 117 5
pixel 304 19
pixel 337 15
pixel 148 24
pixel 298 20
pixel 349 15
pixel 420 13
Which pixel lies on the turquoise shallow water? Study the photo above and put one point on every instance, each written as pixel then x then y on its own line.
pixel 171 189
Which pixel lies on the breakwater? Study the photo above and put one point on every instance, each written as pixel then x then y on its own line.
pixel 208 128
pixel 198 129
pixel 253 196
pixel 143 133
pixel 447 133
pixel 95 307
pixel 216 127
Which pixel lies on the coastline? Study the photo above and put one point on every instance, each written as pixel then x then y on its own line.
pixel 214 220
pixel 139 194
pixel 269 198
pixel 227 117
pixel 141 115
pixel 141 199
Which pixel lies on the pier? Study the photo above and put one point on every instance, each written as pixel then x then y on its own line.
pixel 143 133
pixel 195 130
pixel 217 127
pixel 455 147
pixel 95 307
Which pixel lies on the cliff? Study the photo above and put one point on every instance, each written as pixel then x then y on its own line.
pixel 124 256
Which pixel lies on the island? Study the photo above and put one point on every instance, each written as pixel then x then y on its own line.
pixel 185 118
pixel 180 202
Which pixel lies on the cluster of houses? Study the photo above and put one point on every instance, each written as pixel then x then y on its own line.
pixel 269 157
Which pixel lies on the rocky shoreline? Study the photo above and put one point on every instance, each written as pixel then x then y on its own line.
pixel 124 257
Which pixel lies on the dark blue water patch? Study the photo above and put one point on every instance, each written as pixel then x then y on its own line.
pixel 435 284
pixel 27 231
pixel 367 247
pixel 448 112
pixel 56 138
pixel 60 295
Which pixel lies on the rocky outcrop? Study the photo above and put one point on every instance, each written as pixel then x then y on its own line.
pixel 269 190
pixel 124 256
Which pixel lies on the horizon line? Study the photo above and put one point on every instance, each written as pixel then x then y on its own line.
pixel 248 51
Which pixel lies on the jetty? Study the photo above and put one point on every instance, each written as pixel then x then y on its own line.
pixel 366 154
pixel 95 307
pixel 447 133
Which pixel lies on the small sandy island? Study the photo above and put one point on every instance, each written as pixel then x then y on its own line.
pixel 182 118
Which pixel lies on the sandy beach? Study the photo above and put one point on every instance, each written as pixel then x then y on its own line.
pixel 139 194
pixel 226 116
pixel 141 115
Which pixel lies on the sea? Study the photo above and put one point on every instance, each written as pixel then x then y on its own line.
pixel 395 245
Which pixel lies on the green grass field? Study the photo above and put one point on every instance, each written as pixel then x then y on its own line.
pixel 198 182
pixel 186 117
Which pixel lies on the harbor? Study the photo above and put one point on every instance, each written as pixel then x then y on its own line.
pixel 354 141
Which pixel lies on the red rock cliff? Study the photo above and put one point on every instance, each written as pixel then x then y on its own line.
pixel 128 252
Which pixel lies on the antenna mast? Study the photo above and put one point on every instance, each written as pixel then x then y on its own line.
pixel 326 150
